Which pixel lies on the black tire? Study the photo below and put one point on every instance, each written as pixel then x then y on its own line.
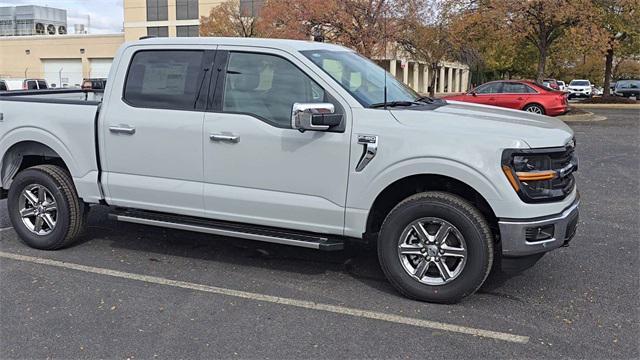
pixel 70 215
pixel 458 212
pixel 534 108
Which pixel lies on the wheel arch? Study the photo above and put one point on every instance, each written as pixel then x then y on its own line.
pixel 404 187
pixel 27 153
pixel 537 104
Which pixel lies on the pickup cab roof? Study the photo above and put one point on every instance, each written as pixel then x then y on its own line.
pixel 283 44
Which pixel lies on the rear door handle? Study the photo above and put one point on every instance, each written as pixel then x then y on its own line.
pixel 230 138
pixel 122 129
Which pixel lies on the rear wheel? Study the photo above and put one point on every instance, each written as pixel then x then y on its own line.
pixel 44 207
pixel 534 108
pixel 435 247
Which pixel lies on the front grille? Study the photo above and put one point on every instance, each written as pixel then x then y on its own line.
pixel 565 163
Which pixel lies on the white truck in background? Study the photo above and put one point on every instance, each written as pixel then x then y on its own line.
pixel 297 143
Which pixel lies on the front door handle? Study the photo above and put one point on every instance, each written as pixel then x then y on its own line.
pixel 230 138
pixel 122 129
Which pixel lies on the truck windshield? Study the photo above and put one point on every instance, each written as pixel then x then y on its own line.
pixel 362 78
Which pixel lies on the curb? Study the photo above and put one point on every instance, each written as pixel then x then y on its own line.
pixel 588 117
pixel 606 106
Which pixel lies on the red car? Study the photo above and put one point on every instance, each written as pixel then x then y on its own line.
pixel 521 95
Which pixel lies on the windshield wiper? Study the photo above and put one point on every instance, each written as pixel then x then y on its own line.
pixel 393 104
pixel 426 99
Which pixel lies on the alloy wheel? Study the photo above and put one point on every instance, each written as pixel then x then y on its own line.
pixel 432 251
pixel 38 209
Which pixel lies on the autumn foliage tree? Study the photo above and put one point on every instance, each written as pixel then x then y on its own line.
pixel 227 19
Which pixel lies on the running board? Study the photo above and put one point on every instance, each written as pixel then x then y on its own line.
pixel 223 228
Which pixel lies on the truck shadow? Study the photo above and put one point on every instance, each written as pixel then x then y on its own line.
pixel 358 261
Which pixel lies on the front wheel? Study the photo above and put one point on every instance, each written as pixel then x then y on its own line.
pixel 435 247
pixel 44 208
pixel 534 108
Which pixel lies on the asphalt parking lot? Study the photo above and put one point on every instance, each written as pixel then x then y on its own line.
pixel 131 291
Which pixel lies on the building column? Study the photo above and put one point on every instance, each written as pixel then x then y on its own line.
pixel 405 72
pixel 392 67
pixel 416 76
pixel 441 80
pixel 425 79
pixel 465 80
pixel 450 81
pixel 456 87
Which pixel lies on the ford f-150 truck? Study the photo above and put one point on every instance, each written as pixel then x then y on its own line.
pixel 292 142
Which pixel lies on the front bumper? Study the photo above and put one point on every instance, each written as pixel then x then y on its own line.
pixel 513 232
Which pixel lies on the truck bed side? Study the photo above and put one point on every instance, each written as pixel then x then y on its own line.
pixel 50 125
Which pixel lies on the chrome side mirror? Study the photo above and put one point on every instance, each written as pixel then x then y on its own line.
pixel 314 116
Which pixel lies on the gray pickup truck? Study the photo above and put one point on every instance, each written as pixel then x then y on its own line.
pixel 297 143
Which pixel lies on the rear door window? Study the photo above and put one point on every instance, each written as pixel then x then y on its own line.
pixel 165 79
pixel 515 88
pixel 42 84
pixel 32 85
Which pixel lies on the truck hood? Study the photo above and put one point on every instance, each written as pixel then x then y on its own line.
pixel 538 131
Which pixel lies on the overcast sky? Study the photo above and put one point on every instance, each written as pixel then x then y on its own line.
pixel 106 15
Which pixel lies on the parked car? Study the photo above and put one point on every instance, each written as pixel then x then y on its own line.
pixel 12 84
pixel 628 88
pixel 517 94
pixel 561 85
pixel 579 88
pixel 596 91
pixel 280 147
pixel 551 83
pixel 94 84
pixel 35 84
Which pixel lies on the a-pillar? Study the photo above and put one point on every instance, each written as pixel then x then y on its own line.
pixel 441 80
pixel 450 81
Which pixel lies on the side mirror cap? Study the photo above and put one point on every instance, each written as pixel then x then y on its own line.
pixel 314 116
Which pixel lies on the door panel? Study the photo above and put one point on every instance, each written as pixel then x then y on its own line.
pixel 153 135
pixel 513 95
pixel 271 174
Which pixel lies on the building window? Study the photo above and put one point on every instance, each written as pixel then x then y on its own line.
pixel 251 8
pixel 157 10
pixel 188 31
pixel 158 31
pixel 187 9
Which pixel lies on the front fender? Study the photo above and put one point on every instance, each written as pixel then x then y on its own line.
pixel 482 182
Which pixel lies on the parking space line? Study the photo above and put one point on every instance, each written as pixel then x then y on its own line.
pixel 5 229
pixel 428 324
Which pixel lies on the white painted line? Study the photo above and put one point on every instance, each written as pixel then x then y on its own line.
pixel 4 229
pixel 276 299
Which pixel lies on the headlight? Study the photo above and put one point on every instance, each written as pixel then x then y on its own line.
pixel 540 175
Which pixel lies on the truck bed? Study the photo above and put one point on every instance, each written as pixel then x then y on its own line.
pixel 63 121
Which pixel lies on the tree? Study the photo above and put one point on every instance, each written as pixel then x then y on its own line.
pixel 227 19
pixel 619 18
pixel 357 24
pixel 426 34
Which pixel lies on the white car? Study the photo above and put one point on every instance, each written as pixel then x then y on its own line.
pixel 561 85
pixel 280 144
pixel 580 88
